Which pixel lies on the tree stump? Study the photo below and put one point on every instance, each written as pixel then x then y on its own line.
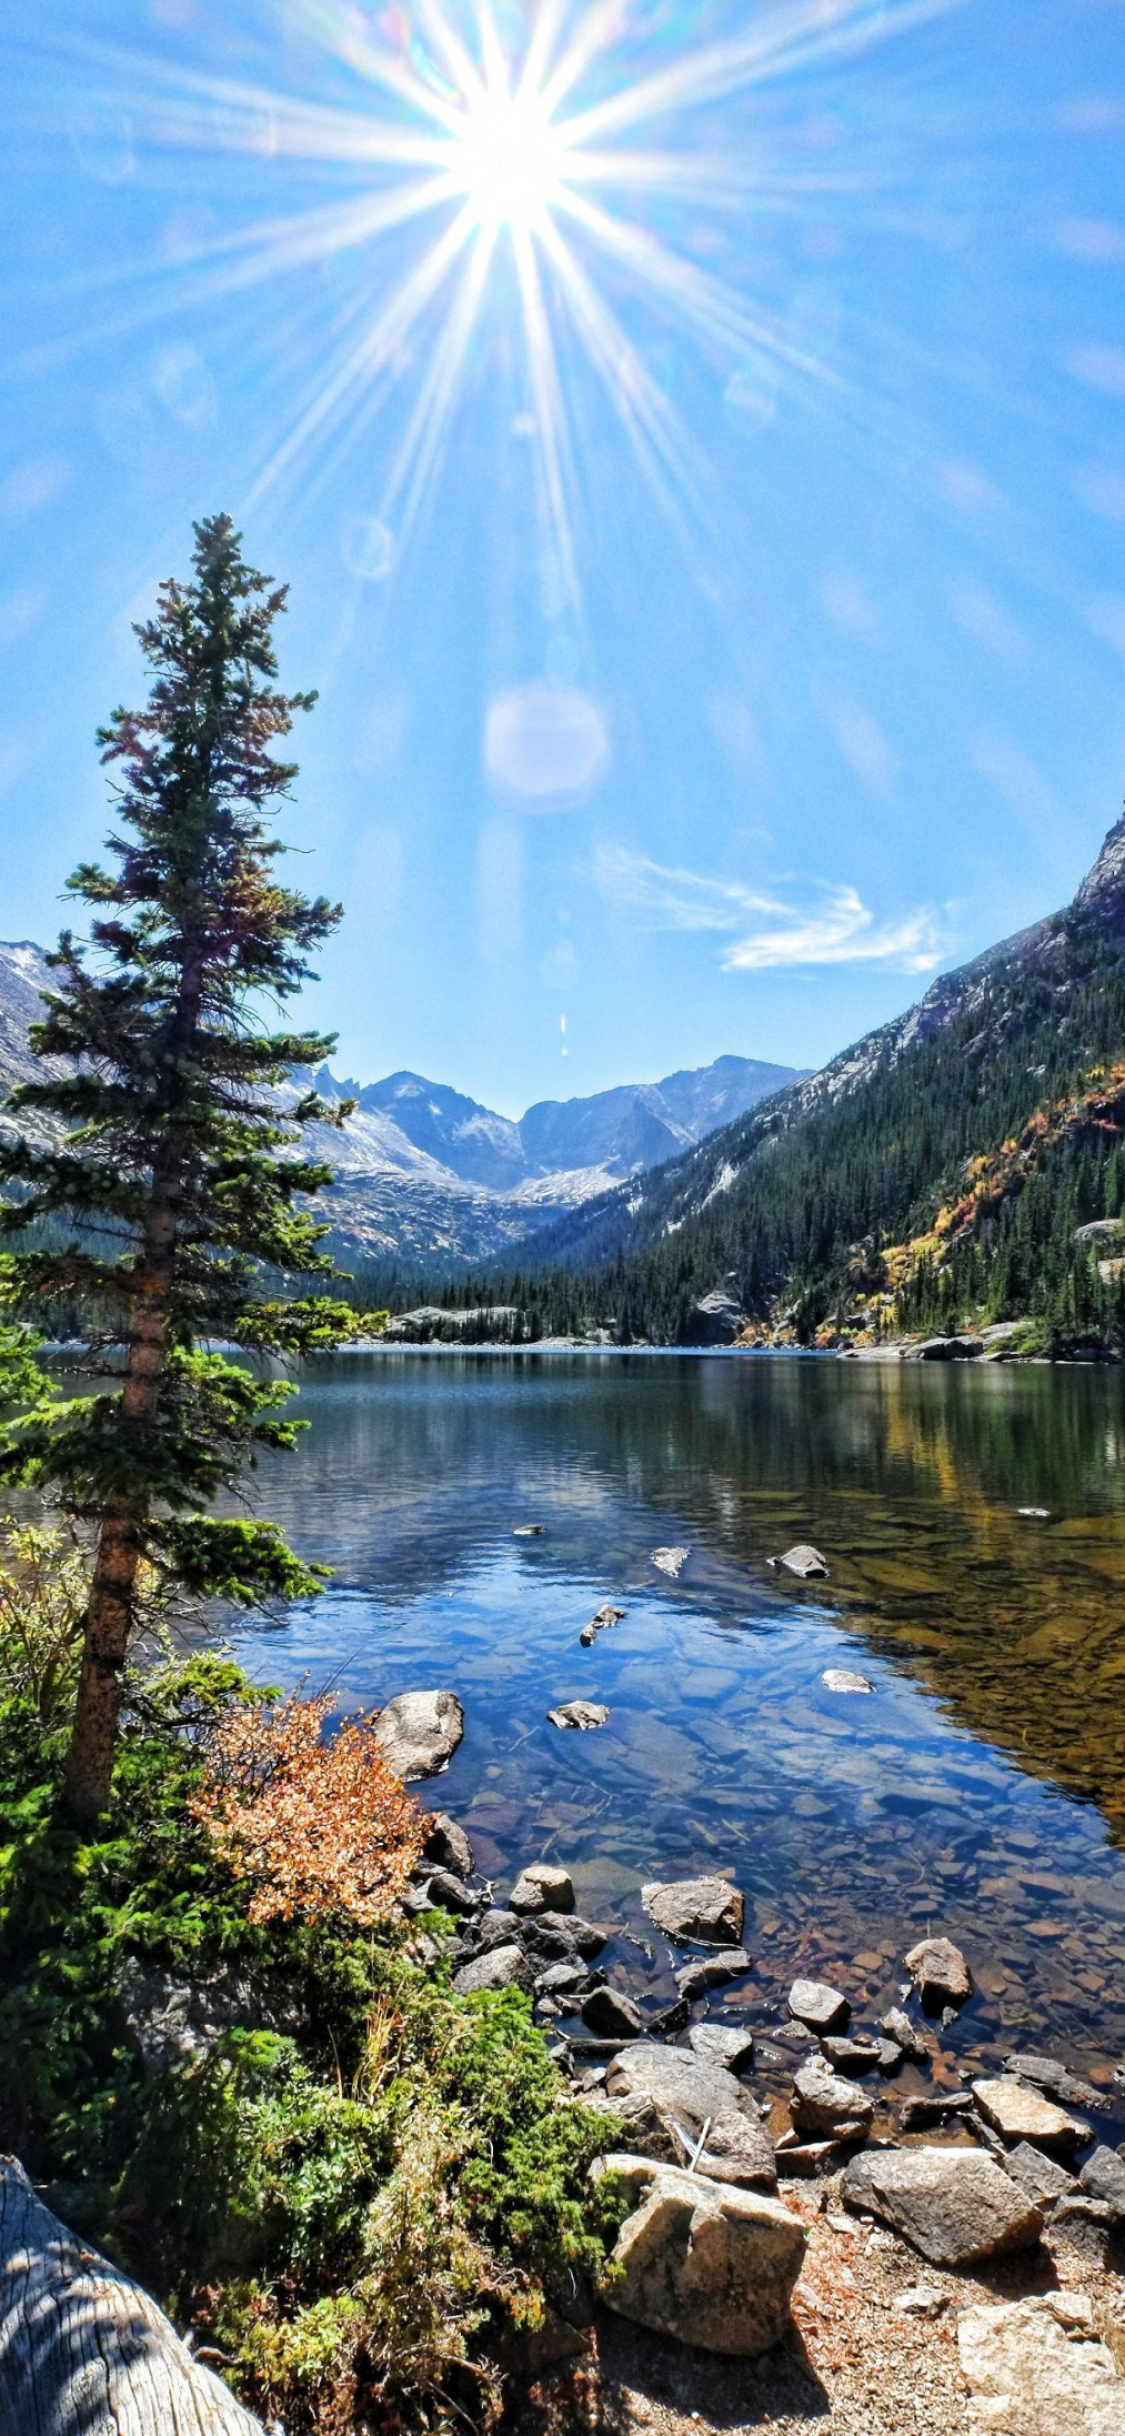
pixel 83 2350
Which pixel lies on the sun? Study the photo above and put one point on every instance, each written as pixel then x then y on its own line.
pixel 509 159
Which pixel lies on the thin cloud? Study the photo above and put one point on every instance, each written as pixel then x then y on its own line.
pixel 765 930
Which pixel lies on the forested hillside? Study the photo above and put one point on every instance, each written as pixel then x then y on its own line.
pixel 937 1172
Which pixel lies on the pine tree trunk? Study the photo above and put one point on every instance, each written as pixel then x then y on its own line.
pixel 88 1774
pixel 83 2350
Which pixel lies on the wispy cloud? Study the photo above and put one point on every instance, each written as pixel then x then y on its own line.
pixel 836 927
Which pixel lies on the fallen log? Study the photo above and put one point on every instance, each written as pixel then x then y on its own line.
pixel 83 2350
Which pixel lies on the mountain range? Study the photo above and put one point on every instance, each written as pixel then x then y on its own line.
pixel 425 1173
pixel 964 1161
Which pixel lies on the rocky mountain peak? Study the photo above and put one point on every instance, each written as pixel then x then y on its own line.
pixel 1103 889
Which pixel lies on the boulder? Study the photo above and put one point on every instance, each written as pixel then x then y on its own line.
pixel 707 1911
pixel 701 2261
pixel 559 1936
pixel 823 2008
pixel 695 2095
pixel 543 1888
pixel 955 2205
pixel 562 1979
pixel 807 1563
pixel 841 1679
pixel 1042 2176
pixel 734 2049
pixel 419 1732
pixel 1019 2113
pixel 444 1892
pixel 934 2106
pixel 714 1971
pixel 504 1966
pixel 714 1320
pixel 828 2105
pixel 610 2014
pixel 939 1971
pixel 1103 2177
pixel 448 1845
pixel 493 1927
pixel 581 1715
pixel 1038 2368
pixel 946 1349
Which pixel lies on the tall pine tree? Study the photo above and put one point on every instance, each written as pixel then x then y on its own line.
pixel 164 1198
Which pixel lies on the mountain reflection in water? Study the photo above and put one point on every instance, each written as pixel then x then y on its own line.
pixel 980 1789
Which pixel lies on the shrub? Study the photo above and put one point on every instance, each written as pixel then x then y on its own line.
pixel 315 1826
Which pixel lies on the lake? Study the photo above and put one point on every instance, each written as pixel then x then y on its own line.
pixel 979 1789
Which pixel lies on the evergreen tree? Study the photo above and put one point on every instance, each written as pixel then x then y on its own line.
pixel 165 1198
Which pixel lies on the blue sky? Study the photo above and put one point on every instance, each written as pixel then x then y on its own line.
pixel 706 527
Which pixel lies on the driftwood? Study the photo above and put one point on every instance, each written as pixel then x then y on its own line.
pixel 83 2351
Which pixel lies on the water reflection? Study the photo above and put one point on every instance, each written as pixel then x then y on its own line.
pixel 854 1824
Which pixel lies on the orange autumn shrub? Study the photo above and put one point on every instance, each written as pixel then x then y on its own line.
pixel 318 1825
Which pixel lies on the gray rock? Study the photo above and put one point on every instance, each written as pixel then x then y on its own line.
pixel 708 2264
pixel 562 1979
pixel 898 2025
pixel 1032 2370
pixel 890 2055
pixel 494 1927
pixel 443 1892
pixel 1103 2177
pixel 543 1888
pixel 1041 2175
pixel 558 1936
pixel 582 1715
pixel 504 1966
pixel 610 2014
pixel 826 2104
pixel 734 2049
pixel 807 1563
pixel 934 2106
pixel 693 2095
pixel 738 2148
pixel 1020 2113
pixel 528 1531
pixel 604 1621
pixel 946 1349
pixel 714 1320
pixel 419 1732
pixel 448 1845
pixel 955 2205
pixel 1044 2073
pixel 823 2008
pixel 939 1971
pixel 842 1679
pixel 670 1561
pixel 853 2056
pixel 704 1910
pixel 714 1971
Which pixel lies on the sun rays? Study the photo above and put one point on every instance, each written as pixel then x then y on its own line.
pixel 468 139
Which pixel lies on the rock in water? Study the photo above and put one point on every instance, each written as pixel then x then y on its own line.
pixel 582 1715
pixel 1024 2114
pixel 419 1732
pixel 898 2026
pixel 705 1911
pixel 504 1966
pixel 671 1560
pixel 826 2104
pixel 1037 2368
pixel 822 2007
pixel 604 1621
pixel 609 2014
pixel 701 2261
pixel 713 1971
pixel 955 2205
pixel 841 1679
pixel 939 1971
pixel 543 1887
pixel 448 1845
pixel 528 1531
pixel 807 1563
pixel 714 2045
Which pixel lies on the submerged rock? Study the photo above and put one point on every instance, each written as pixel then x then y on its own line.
pixel 689 1910
pixel 419 1732
pixel 955 2205
pixel 939 1971
pixel 582 1715
pixel 806 1562
pixel 701 2261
